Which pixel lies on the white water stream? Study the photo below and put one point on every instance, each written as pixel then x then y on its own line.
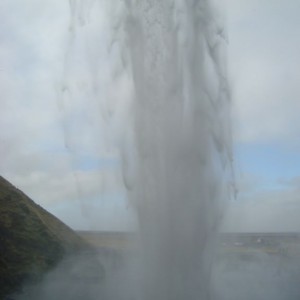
pixel 164 101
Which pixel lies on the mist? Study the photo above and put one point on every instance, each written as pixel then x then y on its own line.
pixel 238 272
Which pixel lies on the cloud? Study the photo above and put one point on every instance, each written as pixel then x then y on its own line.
pixel 86 199
pixel 261 206
pixel 37 126
pixel 269 211
pixel 54 145
pixel 29 57
pixel 263 55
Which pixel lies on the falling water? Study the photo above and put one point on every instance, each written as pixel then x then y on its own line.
pixel 173 119
pixel 180 111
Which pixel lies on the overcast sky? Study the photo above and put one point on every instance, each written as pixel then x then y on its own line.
pixel 37 150
pixel 264 57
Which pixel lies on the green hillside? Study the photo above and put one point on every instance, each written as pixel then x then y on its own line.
pixel 32 241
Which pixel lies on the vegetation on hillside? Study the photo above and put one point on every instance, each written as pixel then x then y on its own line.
pixel 32 241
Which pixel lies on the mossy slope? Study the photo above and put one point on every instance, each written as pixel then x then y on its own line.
pixel 32 241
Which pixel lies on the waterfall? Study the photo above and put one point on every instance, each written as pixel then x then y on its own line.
pixel 166 102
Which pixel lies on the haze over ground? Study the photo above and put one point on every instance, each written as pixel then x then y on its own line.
pixel 264 54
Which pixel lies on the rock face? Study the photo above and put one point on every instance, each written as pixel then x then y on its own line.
pixel 32 241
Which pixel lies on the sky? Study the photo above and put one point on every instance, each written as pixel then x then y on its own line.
pixel 47 146
pixel 263 54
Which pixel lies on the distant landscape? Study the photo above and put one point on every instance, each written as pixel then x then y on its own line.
pixel 270 242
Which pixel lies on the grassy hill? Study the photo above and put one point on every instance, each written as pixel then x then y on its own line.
pixel 32 241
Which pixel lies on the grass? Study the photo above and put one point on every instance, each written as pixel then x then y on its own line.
pixel 32 241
